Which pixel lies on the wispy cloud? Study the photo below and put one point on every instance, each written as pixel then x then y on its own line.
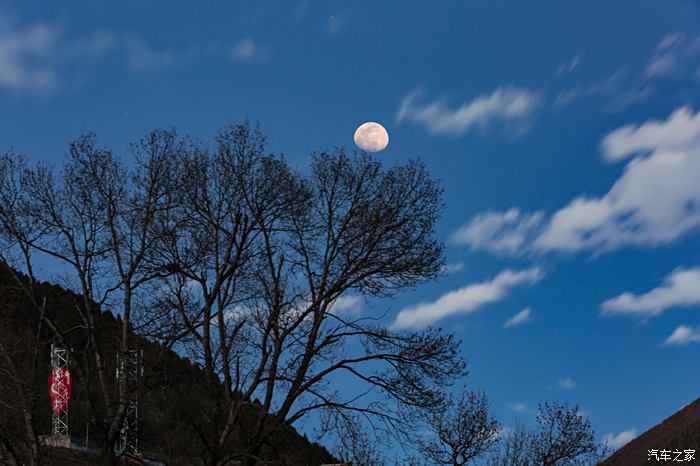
pixel 607 87
pixel 683 335
pixel 336 24
pixel 508 108
pixel 666 56
pixel 505 431
pixel 141 57
pixel 36 57
pixel 568 66
pixel 628 97
pixel 620 440
pixel 672 54
pixel 26 57
pixel 301 9
pixel 566 383
pixel 521 318
pixel 453 267
pixel 680 289
pixel 655 201
pixel 248 50
pixel 467 299
pixel 518 407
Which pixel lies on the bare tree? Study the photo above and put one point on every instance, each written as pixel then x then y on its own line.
pixel 70 216
pixel 133 202
pixel 247 265
pixel 261 257
pixel 562 437
pixel 356 446
pixel 206 242
pixel 18 382
pixel 96 218
pixel 16 348
pixel 460 430
pixel 513 447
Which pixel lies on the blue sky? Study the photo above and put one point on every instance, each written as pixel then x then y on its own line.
pixel 566 135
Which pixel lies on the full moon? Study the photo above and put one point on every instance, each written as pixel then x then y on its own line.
pixel 371 137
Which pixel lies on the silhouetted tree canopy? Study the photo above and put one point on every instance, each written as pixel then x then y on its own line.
pixel 246 265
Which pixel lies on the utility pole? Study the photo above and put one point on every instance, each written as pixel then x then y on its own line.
pixel 129 372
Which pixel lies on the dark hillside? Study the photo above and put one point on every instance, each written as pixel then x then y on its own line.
pixel 679 432
pixel 172 395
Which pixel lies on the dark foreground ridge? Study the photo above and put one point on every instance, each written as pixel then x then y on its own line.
pixel 677 433
pixel 172 397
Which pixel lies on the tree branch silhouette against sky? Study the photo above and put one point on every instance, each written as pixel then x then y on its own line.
pixel 565 137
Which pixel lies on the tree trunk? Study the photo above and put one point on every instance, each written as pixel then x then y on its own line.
pixel 33 439
pixel 7 454
pixel 212 458
pixel 108 457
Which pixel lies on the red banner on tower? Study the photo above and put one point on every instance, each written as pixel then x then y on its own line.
pixel 59 388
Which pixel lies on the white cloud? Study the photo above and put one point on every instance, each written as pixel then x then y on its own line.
pixel 680 132
pixel 518 407
pixel 508 107
pixel 344 306
pixel 683 335
pixel 347 304
pixel 566 383
pixel 654 202
pixel 247 50
pixel 26 56
pixel 467 299
pixel 680 289
pixel 620 440
pixel 520 318
pixel 499 232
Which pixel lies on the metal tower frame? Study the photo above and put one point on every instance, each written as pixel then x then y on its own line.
pixel 59 422
pixel 129 371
